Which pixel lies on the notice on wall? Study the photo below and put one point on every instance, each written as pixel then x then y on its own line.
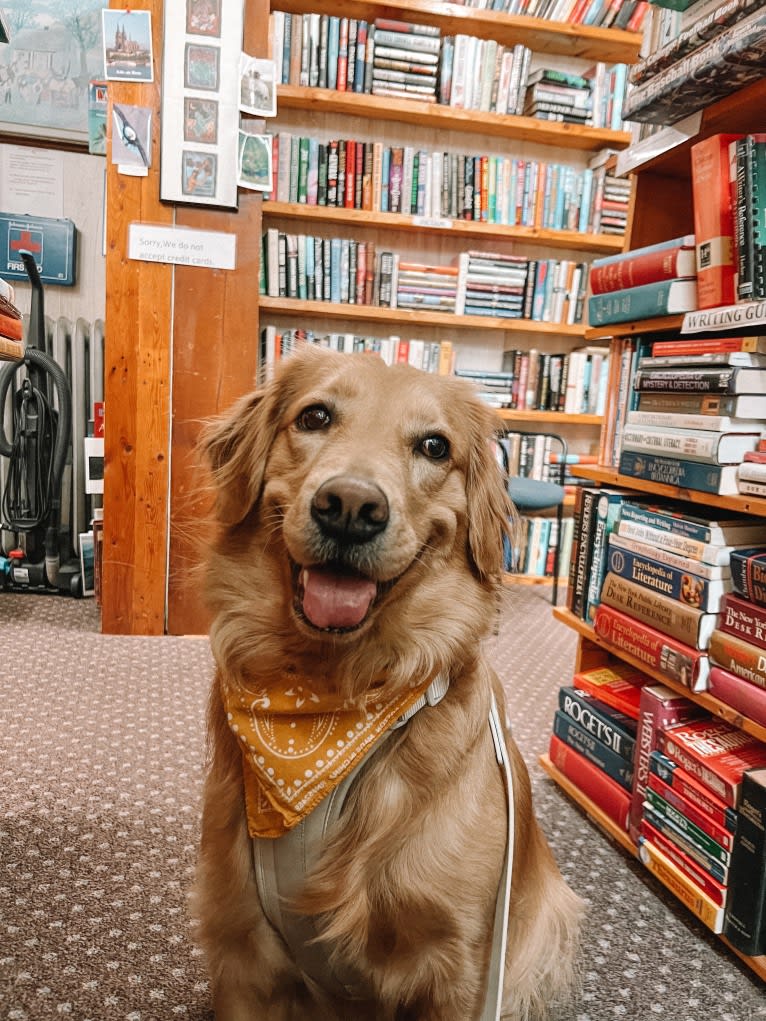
pixel 182 246
pixel 31 181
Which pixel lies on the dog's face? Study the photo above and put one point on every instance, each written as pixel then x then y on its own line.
pixel 363 484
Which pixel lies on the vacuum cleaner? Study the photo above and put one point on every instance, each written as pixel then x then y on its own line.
pixel 42 559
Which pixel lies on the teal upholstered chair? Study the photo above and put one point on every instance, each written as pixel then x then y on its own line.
pixel 530 494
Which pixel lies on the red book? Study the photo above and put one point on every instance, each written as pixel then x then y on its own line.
pixel 708 345
pixel 744 619
pixel 671 658
pixel 342 55
pixel 637 17
pixel 687 865
pixel 659 708
pixel 644 267
pixel 747 698
pixel 602 790
pixel 716 752
pixel 692 790
pixel 403 351
pixel 617 685
pixel 722 835
pixel 713 221
pixel 350 185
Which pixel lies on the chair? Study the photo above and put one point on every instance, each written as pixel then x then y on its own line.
pixel 530 494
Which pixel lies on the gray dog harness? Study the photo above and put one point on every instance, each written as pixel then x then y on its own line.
pixel 282 864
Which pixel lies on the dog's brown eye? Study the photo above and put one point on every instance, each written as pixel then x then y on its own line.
pixel 435 447
pixel 315 417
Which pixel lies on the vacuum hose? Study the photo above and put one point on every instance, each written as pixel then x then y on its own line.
pixel 40 364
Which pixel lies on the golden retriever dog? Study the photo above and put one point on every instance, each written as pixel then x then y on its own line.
pixel 361 512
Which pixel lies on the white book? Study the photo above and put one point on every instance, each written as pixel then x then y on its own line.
pixel 457 91
pixel 748 487
pixel 7 291
pixel 682 420
pixel 706 552
pixel 707 446
pixel 284 159
pixel 712 572
pixel 753 471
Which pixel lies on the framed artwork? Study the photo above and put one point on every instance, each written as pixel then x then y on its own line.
pixel 200 102
pixel 55 48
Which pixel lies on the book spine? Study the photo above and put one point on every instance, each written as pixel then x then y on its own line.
pixel 604 792
pixel 603 725
pixel 585 528
pixel 615 766
pixel 745 916
pixel 743 619
pixel 658 708
pixel 701 447
pixel 738 693
pixel 723 786
pixel 676 583
pixel 738 657
pixel 698 902
pixel 644 302
pixel 672 471
pixel 663 653
pixel 692 791
pixel 693 549
pixel 713 221
pixel 748 573
pixel 674 524
pixel 607 510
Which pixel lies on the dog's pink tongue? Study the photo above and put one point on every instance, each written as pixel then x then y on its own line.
pixel 335 600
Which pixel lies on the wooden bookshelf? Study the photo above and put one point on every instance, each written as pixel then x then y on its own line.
pixel 469 229
pixel 447 118
pixel 298 308
pixel 662 324
pixel 549 417
pixel 613 46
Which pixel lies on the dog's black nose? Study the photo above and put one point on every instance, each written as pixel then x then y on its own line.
pixel 350 509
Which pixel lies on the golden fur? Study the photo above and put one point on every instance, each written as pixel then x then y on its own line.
pixel 406 887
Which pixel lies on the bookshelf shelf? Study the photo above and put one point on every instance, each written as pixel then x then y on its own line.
pixel 611 477
pixel 603 243
pixel 296 307
pixel 581 41
pixel 668 324
pixel 446 118
pixel 558 417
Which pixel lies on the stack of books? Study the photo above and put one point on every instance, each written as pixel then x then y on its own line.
pixel 738 645
pixel 492 387
pixel 701 452
pixel 405 60
pixel 594 736
pixel 655 280
pixel 554 95
pixel 11 323
pixel 595 516
pixel 427 287
pixel 668 571
pixel 613 199
pixel 690 827
pixel 751 473
pixel 491 284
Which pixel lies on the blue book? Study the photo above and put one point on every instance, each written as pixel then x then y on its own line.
pixel 585 200
pixel 661 822
pixel 385 170
pixel 690 589
pixel 335 258
pixel 595 751
pixel 614 728
pixel 674 471
pixel 663 298
pixel 333 38
pixel 361 56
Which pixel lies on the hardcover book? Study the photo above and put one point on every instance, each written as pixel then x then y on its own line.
pixel 736 379
pixel 616 684
pixel 698 825
pixel 669 657
pixel 695 445
pixel 667 260
pixel 686 519
pixel 680 472
pixel 738 656
pixel 744 619
pixel 692 791
pixel 685 862
pixel 595 751
pixel 716 752
pixel 613 728
pixel 713 221
pixel 662 298
pixel 748 573
pixel 711 572
pixel 686 623
pixel 698 902
pixel 659 707
pixel 605 793
pixel 745 918
pixel 656 576
pixel 739 693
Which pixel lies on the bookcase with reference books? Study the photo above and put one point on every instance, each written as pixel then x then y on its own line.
pixel 660 735
pixel 443 176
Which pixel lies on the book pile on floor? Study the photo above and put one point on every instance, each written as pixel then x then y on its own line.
pixel 689 789
pixel 11 323
pixel 655 280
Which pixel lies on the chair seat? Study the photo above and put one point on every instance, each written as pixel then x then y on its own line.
pixel 532 494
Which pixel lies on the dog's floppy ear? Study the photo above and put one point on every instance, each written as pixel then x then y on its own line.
pixel 491 514
pixel 236 447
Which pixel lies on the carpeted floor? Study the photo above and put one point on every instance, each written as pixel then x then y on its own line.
pixel 101 752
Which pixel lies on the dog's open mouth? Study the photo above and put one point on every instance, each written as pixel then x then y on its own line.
pixel 334 598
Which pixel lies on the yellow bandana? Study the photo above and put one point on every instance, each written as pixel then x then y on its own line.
pixel 298 745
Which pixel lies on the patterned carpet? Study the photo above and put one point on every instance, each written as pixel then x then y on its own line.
pixel 101 751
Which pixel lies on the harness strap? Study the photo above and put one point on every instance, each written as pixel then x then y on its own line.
pixel 494 1000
